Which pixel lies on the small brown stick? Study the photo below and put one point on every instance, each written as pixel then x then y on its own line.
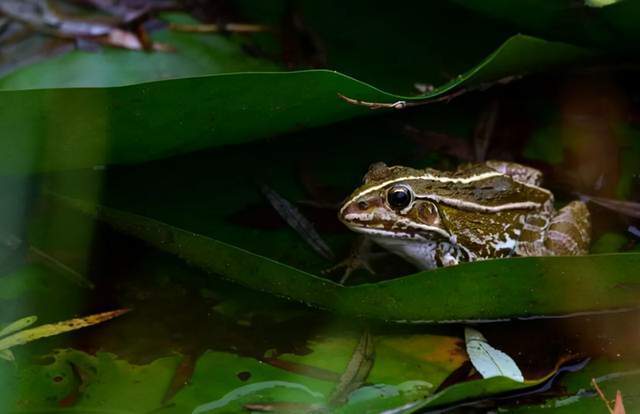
pixel 484 130
pixel 601 394
pixel 402 104
pixel 427 101
pixel 215 28
pixel 356 372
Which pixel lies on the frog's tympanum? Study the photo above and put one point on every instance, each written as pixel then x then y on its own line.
pixel 480 211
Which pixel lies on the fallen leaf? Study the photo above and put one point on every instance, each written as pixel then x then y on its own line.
pixel 487 360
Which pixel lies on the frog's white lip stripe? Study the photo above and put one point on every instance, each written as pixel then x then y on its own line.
pixel 460 180
pixel 386 233
pixel 398 234
pixel 470 205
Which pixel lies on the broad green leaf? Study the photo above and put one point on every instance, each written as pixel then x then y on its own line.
pixel 494 289
pixel 224 382
pixel 76 382
pixel 487 360
pixel 129 124
pixel 18 325
pixel 7 355
pixel 268 387
pixel 406 368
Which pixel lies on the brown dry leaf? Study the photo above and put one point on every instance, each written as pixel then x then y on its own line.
pixel 129 40
pixel 51 329
pixel 40 16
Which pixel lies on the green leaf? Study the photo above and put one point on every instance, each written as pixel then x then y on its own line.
pixel 492 289
pixel 54 129
pixel 76 382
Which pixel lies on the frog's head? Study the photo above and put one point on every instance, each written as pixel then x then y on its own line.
pixel 386 206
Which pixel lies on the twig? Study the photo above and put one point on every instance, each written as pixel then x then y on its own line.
pixel 356 372
pixel 601 394
pixel 628 208
pixel 428 100
pixel 402 104
pixel 484 130
pixel 216 28
pixel 298 222
pixel 56 264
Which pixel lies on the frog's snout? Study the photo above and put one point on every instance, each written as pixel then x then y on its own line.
pixel 360 209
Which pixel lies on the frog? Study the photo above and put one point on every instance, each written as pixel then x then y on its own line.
pixel 479 211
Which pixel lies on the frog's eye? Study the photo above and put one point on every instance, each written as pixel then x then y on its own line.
pixel 399 197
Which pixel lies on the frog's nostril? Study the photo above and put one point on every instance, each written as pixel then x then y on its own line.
pixel 362 205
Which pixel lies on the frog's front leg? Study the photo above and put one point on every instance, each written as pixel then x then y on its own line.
pixel 569 232
pixel 446 255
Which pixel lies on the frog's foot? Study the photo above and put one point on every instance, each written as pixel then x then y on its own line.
pixel 447 255
pixel 359 258
pixel 569 232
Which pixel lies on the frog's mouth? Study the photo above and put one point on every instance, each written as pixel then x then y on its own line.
pixel 397 229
